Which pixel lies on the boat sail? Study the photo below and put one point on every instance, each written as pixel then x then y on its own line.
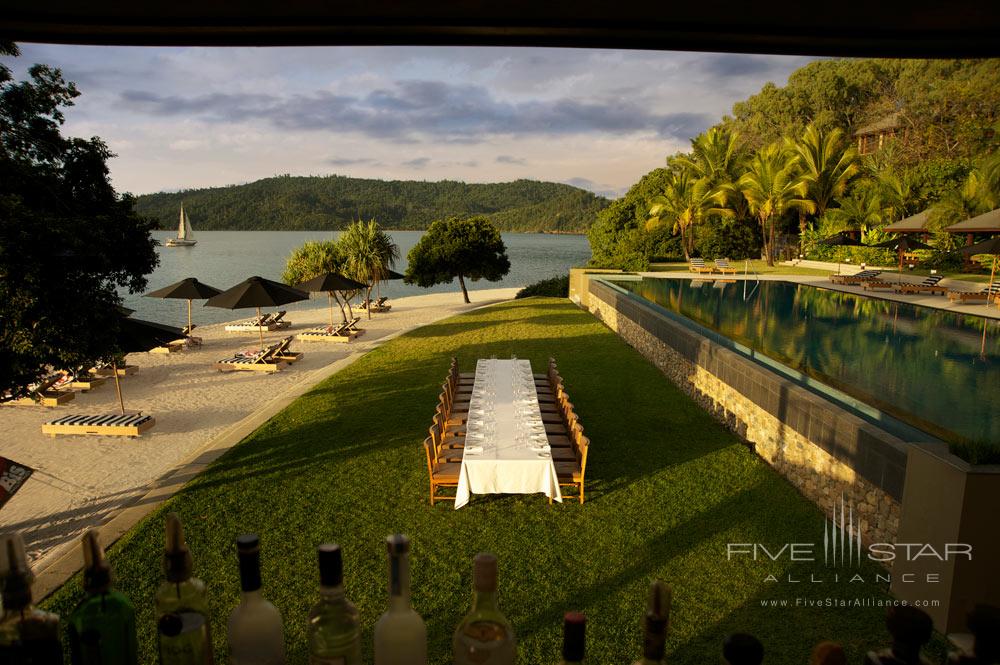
pixel 185 235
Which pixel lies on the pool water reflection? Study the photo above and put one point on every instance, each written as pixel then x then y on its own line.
pixel 926 367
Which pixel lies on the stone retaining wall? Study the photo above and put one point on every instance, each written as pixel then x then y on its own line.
pixel 824 450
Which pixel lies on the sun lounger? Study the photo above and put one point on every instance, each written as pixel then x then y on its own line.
pixel 273 358
pixel 965 296
pixel 108 425
pixel 108 372
pixel 698 265
pixel 858 278
pixel 722 265
pixel 277 322
pixel 338 333
pixel 43 394
pixel 85 382
pixel 878 285
pixel 929 285
pixel 253 325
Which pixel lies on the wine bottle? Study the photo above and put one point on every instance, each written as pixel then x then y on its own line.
pixel 400 633
pixel 655 624
pixel 334 627
pixel 484 637
pixel 28 635
pixel 102 627
pixel 256 636
pixel 181 605
pixel 574 638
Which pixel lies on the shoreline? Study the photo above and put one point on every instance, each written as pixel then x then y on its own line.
pixel 81 482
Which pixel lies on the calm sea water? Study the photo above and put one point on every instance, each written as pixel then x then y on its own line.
pixel 225 258
pixel 927 367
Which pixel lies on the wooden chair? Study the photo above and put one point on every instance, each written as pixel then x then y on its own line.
pixel 440 475
pixel 464 376
pixel 571 474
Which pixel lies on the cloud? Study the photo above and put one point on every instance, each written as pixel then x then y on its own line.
pixel 350 161
pixel 417 163
pixel 434 110
pixel 507 159
pixel 732 64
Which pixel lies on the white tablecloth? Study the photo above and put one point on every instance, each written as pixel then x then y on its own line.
pixel 505 465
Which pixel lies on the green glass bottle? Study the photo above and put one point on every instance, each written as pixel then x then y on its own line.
pixel 484 637
pixel 28 635
pixel 102 627
pixel 334 627
pixel 181 605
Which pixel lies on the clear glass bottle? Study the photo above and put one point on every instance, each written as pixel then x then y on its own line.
pixel 400 633
pixel 655 624
pixel 181 605
pixel 28 635
pixel 484 636
pixel 256 634
pixel 574 638
pixel 102 627
pixel 334 627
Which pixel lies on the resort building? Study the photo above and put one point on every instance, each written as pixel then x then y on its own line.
pixel 874 136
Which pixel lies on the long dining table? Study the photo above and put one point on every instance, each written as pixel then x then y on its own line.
pixel 506 448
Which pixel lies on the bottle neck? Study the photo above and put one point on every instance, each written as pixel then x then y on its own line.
pixel 332 594
pixel 399 582
pixel 252 596
pixel 483 601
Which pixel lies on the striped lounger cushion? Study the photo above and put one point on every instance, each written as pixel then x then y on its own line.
pixel 128 425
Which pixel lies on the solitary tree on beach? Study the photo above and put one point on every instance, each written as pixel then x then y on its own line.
pixel 459 248
pixel 68 241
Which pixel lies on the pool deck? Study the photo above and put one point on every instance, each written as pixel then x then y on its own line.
pixel 991 311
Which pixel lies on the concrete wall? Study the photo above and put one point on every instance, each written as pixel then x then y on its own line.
pixel 824 450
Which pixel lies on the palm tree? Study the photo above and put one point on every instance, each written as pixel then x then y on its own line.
pixel 896 193
pixel 863 209
pixel 827 166
pixel 685 202
pixel 369 253
pixel 714 155
pixel 772 186
pixel 313 259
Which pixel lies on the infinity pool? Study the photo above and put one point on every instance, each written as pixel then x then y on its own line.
pixel 928 368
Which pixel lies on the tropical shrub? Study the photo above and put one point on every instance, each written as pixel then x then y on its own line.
pixel 556 287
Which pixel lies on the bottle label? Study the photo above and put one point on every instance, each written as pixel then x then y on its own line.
pixel 184 639
pixel 327 660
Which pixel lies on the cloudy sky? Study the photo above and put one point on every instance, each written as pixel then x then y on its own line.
pixel 195 117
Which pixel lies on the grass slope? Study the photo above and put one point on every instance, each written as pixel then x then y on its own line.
pixel 667 489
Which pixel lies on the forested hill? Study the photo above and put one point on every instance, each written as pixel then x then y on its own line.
pixel 291 203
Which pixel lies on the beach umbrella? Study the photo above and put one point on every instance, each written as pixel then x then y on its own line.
pixel 331 282
pixel 257 292
pixel 903 245
pixel 136 335
pixel 187 289
pixel 991 246
pixel 842 239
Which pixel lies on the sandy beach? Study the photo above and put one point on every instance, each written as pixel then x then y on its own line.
pixel 82 481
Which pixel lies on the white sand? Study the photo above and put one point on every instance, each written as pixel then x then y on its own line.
pixel 80 481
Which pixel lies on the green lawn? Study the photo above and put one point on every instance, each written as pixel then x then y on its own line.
pixel 667 489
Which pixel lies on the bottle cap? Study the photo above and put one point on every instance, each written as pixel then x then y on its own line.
pixel 177 561
pixel 96 569
pixel 397 543
pixel 248 551
pixel 331 565
pixel 15 574
pixel 574 635
pixel 656 620
pixel 484 572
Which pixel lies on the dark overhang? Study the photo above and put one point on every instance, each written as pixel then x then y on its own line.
pixel 920 28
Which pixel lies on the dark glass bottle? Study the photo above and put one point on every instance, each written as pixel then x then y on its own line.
pixel 102 627
pixel 28 635
pixel 574 638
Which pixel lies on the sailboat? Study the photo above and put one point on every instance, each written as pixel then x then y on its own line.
pixel 185 236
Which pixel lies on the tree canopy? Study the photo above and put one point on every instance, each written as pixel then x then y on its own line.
pixel 68 241
pixel 459 248
pixel 293 203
